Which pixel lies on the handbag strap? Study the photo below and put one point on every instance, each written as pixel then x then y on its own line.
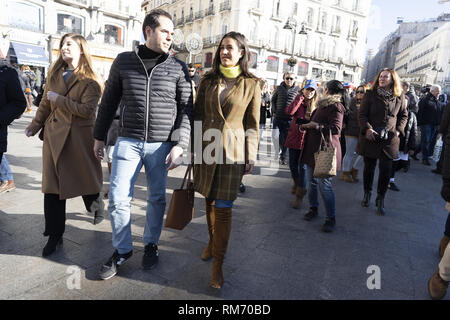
pixel 187 174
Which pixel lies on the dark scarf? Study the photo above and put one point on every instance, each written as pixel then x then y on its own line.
pixel 385 94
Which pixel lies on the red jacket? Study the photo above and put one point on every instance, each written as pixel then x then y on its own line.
pixel 296 136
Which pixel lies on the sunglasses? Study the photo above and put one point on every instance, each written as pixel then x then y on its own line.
pixel 191 70
pixel 359 91
pixel 289 78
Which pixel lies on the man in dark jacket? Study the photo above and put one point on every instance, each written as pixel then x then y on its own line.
pixel 12 101
pixel 155 96
pixel 282 97
pixel 429 118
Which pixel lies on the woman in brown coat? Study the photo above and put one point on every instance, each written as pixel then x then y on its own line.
pixel 382 118
pixel 67 110
pixel 327 120
pixel 228 108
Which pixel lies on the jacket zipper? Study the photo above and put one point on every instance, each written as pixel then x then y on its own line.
pixel 147 90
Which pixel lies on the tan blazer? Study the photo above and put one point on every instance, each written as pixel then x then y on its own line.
pixel 219 177
pixel 69 166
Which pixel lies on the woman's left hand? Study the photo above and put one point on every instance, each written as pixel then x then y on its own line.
pixel 249 168
pixel 52 96
pixel 310 125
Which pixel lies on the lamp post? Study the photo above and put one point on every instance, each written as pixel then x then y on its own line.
pixel 437 72
pixel 291 24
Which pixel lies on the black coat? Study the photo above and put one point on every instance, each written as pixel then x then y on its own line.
pixel 12 101
pixel 282 97
pixel 152 107
pixel 351 120
pixel 444 129
pixel 409 140
pixel 430 111
pixel 265 109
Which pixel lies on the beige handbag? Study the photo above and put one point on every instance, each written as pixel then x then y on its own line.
pixel 325 159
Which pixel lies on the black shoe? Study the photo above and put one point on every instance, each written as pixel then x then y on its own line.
pixel 380 206
pixel 109 269
pixel 242 188
pixel 283 161
pixel 311 214
pixel 415 157
pixel 437 171
pixel 51 246
pixel 426 162
pixel 366 200
pixel 150 258
pixel 329 225
pixel 393 187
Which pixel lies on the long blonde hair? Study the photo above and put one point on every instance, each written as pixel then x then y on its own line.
pixel 396 86
pixel 311 103
pixel 84 70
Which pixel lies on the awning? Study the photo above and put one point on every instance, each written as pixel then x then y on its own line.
pixel 29 54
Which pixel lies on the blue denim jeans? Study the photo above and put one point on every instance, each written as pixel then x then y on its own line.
pixel 428 140
pixel 5 170
pixel 128 158
pixel 221 204
pixel 297 169
pixel 283 127
pixel 326 190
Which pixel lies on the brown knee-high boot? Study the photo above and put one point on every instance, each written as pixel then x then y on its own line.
pixel 207 252
pixel 222 229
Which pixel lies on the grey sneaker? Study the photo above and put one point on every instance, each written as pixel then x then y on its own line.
pixel 109 269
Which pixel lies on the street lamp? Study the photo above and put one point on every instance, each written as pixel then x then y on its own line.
pixel 291 24
pixel 437 72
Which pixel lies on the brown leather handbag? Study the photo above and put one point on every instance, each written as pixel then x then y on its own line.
pixel 181 208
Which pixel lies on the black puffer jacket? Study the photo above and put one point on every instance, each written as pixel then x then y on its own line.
pixel 409 140
pixel 282 97
pixel 152 107
pixel 444 129
pixel 430 111
pixel 12 101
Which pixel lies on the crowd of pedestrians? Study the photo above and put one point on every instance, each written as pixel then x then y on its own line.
pixel 143 116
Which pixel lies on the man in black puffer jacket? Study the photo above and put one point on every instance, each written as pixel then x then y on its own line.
pixel 282 97
pixel 155 96
pixel 12 101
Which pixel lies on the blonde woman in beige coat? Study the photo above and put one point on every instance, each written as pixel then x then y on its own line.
pixel 67 110
pixel 228 105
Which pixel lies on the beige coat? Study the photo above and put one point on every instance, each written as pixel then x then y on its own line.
pixel 238 113
pixel 69 166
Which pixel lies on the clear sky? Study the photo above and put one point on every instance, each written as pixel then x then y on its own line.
pixel 383 16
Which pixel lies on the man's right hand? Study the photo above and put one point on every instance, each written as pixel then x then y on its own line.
pixel 370 134
pixel 98 149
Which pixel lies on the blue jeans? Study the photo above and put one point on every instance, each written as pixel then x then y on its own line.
pixel 326 190
pixel 283 127
pixel 428 140
pixel 128 158
pixel 221 204
pixel 297 169
pixel 5 170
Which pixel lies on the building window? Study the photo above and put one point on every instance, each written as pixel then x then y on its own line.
pixel 208 60
pixel 317 73
pixel 310 17
pixel 337 24
pixel 355 5
pixel 286 67
pixel 302 68
pixel 272 63
pixel 69 23
pixel 253 36
pixel 324 22
pixel 253 60
pixel 26 15
pixel 355 29
pixel 113 34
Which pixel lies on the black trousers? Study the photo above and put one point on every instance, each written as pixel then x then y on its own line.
pixel 55 212
pixel 1 156
pixel 385 171
pixel 439 164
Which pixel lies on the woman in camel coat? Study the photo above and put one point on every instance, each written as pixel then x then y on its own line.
pixel 228 107
pixel 67 110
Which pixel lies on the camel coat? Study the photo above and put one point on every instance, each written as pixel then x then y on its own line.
pixel 69 166
pixel 219 168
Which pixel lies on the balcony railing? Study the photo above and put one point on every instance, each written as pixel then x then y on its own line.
pixel 209 11
pixel 190 18
pixel 180 21
pixel 199 15
pixel 226 5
